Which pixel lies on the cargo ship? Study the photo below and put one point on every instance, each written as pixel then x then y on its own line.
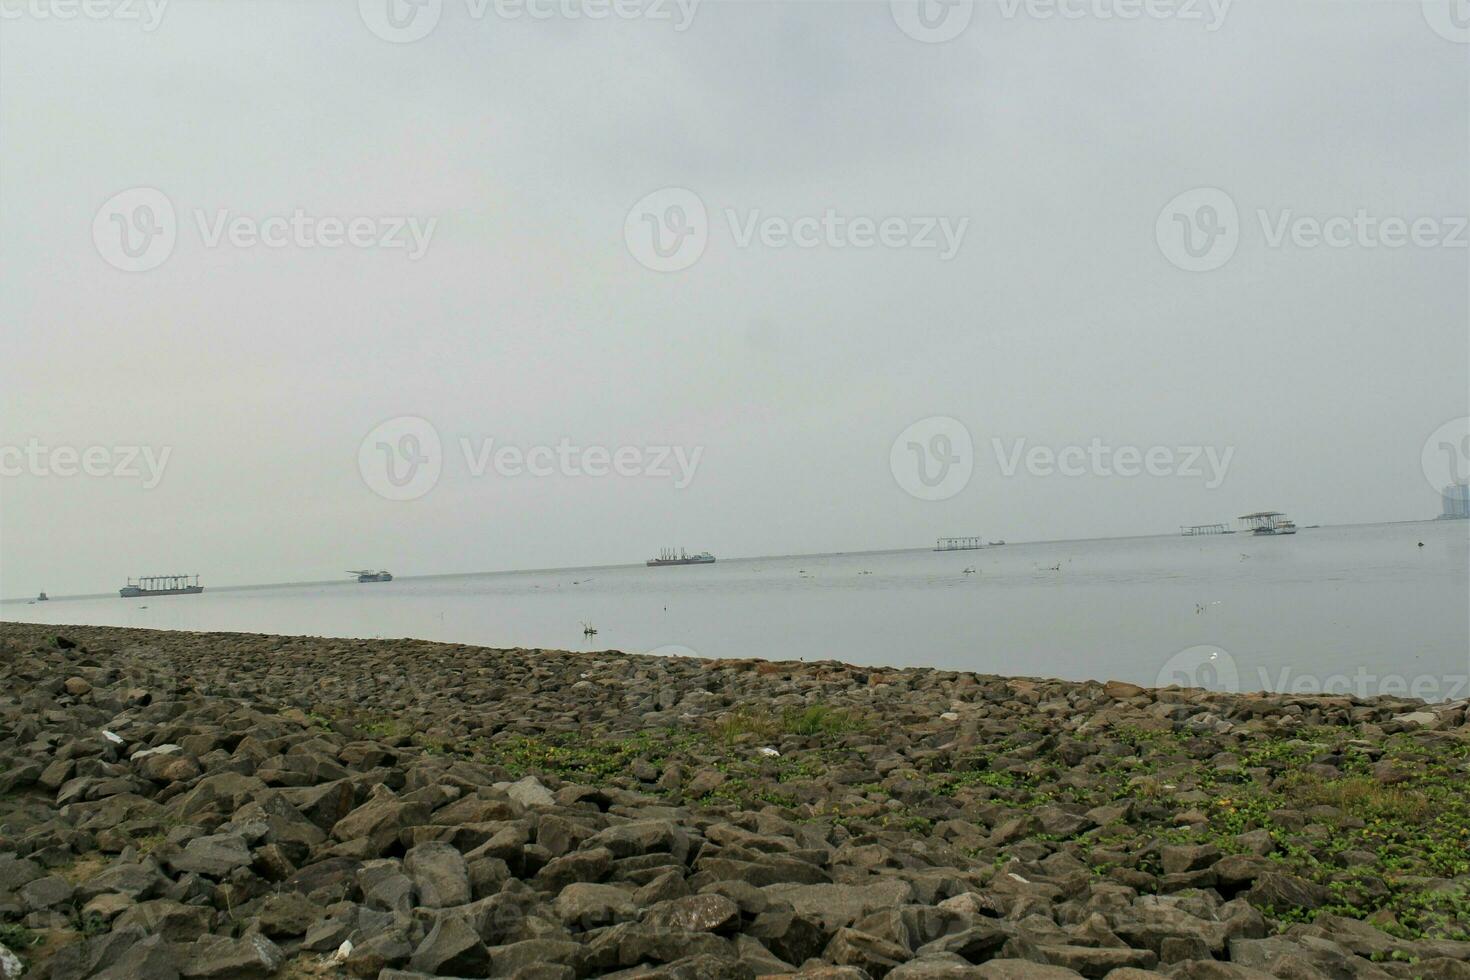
pixel 161 585
pixel 369 575
pixel 671 557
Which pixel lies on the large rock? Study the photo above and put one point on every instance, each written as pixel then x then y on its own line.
pixel 452 948
pixel 584 905
pixel 868 953
pixel 695 913
pixel 173 921
pixel 287 914
pixel 323 805
pixel 384 886
pixel 439 874
pixel 217 958
pixel 1093 961
pixel 1014 969
pixel 587 865
pixel 379 821
pixel 512 959
pixel 643 837
pixel 1276 892
pixel 46 893
pixel 1179 858
pixel 223 793
pixel 214 856
pixel 836 906
pixel 15 872
pixel 529 792
pixel 153 958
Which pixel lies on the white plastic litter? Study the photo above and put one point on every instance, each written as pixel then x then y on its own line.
pixel 10 964
pixel 343 951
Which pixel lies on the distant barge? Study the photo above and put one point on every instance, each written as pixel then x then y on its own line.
pixel 369 575
pixel 161 585
pixel 1197 529
pixel 961 544
pixel 671 557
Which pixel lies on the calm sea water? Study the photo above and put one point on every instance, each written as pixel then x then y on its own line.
pixel 1361 609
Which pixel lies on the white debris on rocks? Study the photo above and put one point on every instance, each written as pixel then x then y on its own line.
pixel 10 964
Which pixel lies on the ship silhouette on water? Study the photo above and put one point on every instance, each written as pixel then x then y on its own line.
pixel 161 585
pixel 370 575
pixel 669 556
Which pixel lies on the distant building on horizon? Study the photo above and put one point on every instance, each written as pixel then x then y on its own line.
pixel 1456 501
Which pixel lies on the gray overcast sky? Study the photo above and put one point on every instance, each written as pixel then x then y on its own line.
pixel 529 318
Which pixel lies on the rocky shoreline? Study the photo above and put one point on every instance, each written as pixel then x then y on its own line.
pixel 209 805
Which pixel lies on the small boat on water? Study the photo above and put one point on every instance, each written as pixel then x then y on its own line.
pixel 1267 523
pixel 370 575
pixel 161 585
pixel 43 597
pixel 669 556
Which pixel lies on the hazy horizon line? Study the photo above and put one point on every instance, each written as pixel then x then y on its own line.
pixel 245 586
